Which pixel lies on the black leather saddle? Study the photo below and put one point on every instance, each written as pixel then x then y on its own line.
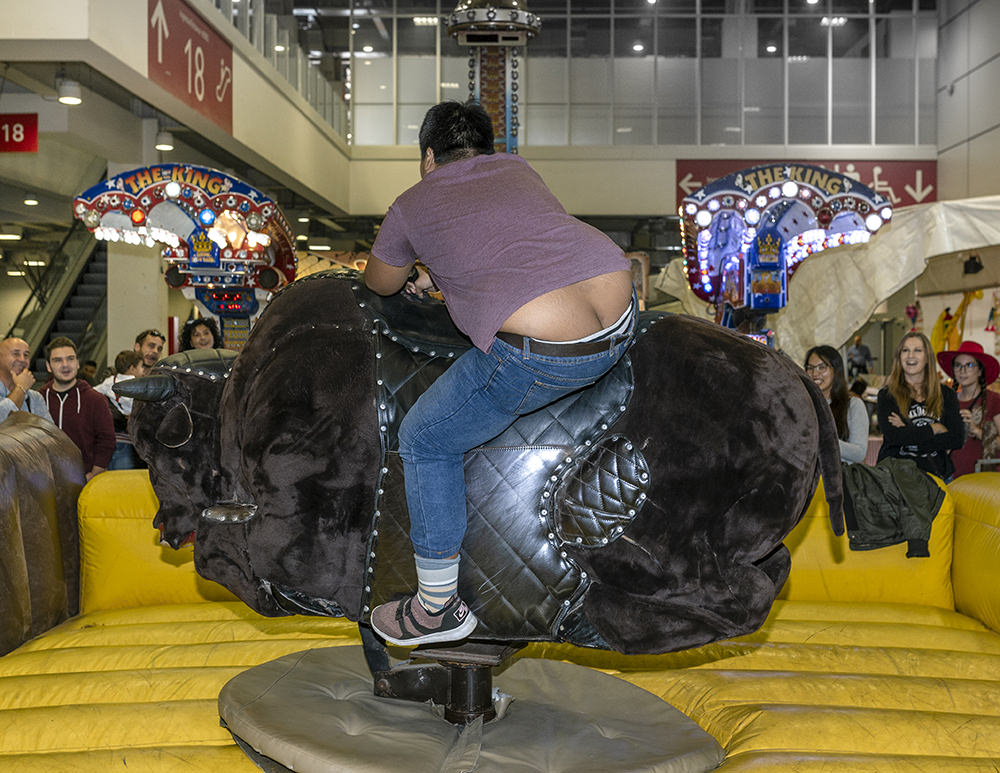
pixel 559 476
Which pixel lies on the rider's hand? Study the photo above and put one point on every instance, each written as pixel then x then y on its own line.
pixel 421 284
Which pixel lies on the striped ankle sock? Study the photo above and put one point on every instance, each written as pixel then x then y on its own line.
pixel 437 581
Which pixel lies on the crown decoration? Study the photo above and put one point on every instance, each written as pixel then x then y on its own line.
pixel 767 249
pixel 200 243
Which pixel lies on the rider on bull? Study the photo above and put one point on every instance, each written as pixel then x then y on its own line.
pixel 546 299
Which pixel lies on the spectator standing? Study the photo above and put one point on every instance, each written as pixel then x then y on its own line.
pixel 826 369
pixel 16 380
pixel 149 344
pixel 200 333
pixel 77 409
pixel 88 372
pixel 859 357
pixel 919 417
pixel 128 365
pixel 973 370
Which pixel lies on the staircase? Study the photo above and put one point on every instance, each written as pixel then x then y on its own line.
pixel 83 318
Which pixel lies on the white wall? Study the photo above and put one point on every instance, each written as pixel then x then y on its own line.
pixel 968 98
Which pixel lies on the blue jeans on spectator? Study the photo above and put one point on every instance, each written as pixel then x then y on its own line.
pixel 472 402
pixel 124 457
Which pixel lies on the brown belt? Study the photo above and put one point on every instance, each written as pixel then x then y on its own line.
pixel 560 349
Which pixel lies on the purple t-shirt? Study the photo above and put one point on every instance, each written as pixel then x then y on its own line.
pixel 493 237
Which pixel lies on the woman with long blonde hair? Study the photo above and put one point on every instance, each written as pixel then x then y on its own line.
pixel 918 416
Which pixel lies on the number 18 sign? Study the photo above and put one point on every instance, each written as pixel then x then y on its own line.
pixel 18 132
pixel 188 58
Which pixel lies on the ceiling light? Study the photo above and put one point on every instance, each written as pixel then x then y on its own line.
pixel 10 234
pixel 301 237
pixel 770 48
pixel 638 47
pixel 833 21
pixel 13 272
pixel 320 247
pixel 304 219
pixel 425 21
pixel 30 201
pixel 278 48
pixel 34 262
pixel 164 141
pixel 69 92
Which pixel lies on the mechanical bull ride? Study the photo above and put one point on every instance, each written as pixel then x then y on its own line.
pixel 644 514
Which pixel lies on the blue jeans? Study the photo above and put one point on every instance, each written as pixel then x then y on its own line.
pixel 472 402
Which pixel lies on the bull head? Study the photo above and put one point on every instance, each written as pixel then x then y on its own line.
pixel 175 429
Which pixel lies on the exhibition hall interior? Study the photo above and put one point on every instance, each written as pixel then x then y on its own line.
pixel 267 271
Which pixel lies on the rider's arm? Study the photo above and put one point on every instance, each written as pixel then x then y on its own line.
pixel 383 278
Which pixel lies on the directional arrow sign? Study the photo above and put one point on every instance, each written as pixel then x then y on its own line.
pixel 158 21
pixel 187 57
pixel 919 193
pixel 689 185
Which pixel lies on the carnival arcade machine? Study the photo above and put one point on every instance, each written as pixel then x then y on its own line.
pixel 744 235
pixel 227 246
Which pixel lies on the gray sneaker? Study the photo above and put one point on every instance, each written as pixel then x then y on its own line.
pixel 407 623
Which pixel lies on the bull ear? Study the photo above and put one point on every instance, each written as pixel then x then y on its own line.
pixel 150 389
pixel 176 428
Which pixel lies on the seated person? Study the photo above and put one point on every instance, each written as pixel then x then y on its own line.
pixel 16 380
pixel 824 366
pixel 973 371
pixel 919 417
pixel 128 364
pixel 200 333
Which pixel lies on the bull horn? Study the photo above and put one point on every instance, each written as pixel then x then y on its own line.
pixel 150 389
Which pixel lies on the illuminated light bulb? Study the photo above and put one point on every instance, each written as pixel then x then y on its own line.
pixel 886 213
pixel 690 209
pixel 703 218
pixel 172 189
pixel 752 216
pixel 873 222
pixel 789 189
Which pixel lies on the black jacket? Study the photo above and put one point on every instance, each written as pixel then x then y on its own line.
pixel 889 503
pixel 917 440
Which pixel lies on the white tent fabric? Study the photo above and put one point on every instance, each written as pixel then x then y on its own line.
pixel 833 293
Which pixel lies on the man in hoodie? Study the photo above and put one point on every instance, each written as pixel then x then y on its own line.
pixel 16 380
pixel 77 409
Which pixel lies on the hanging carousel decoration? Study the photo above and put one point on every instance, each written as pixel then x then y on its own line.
pixel 744 235
pixel 495 31
pixel 225 244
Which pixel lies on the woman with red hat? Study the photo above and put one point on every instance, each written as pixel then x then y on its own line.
pixel 973 370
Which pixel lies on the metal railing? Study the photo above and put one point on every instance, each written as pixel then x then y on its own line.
pixel 276 38
pixel 53 286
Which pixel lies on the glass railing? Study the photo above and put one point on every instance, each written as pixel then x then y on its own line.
pixel 275 37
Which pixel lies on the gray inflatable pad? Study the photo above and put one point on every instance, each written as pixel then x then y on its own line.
pixel 315 711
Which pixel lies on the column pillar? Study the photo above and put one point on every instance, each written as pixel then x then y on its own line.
pixel 137 294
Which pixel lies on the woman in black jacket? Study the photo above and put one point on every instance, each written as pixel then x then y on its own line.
pixel 918 416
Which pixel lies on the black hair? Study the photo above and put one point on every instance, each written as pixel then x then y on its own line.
pixel 840 397
pixel 981 397
pixel 189 327
pixel 139 339
pixel 455 130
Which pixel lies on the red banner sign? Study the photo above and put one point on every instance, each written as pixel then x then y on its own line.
pixel 18 132
pixel 191 60
pixel 901 182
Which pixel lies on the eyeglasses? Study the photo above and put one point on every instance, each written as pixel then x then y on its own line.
pixel 965 365
pixel 821 368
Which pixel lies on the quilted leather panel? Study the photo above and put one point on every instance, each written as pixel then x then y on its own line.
pixel 515 575
pixel 597 497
